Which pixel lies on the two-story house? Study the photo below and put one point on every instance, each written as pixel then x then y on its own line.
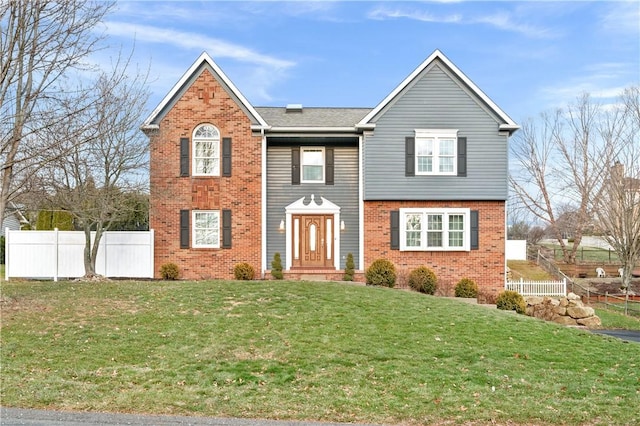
pixel 420 179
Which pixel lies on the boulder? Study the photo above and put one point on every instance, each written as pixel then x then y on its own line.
pixel 591 322
pixel 578 312
pixel 573 296
pixel 533 300
pixel 565 321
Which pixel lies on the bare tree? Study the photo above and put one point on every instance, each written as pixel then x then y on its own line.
pixel 617 205
pixel 41 41
pixel 559 171
pixel 102 158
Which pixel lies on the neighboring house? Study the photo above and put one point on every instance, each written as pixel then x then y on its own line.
pixel 421 179
pixel 13 219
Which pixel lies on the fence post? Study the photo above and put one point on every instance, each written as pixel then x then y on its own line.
pixel 56 249
pixel 6 253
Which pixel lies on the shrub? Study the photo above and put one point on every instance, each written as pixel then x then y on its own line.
pixel 381 272
pixel 244 271
pixel 2 250
pixel 276 267
pixel 349 268
pixel 169 271
pixel 511 301
pixel 423 279
pixel 467 287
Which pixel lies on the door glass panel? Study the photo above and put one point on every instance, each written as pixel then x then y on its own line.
pixel 312 237
pixel 296 239
pixel 329 238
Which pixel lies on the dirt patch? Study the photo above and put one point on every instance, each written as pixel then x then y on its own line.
pixel 608 285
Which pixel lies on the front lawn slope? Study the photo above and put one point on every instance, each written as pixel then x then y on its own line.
pixel 304 351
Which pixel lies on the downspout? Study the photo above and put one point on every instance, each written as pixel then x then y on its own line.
pixel 263 183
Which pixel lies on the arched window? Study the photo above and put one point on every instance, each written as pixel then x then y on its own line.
pixel 206 150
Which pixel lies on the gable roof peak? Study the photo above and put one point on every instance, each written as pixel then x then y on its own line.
pixel 508 125
pixel 203 59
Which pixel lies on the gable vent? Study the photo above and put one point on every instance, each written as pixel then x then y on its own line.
pixel 294 107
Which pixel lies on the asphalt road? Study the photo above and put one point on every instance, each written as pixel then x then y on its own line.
pixel 626 335
pixel 15 417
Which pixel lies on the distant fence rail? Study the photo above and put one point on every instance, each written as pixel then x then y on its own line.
pixel 60 254
pixel 538 288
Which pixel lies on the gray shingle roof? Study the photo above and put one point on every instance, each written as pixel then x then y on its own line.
pixel 312 117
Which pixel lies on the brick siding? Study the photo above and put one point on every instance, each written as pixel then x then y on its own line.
pixel 485 266
pixel 205 101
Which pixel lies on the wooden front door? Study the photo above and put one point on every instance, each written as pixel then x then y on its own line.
pixel 312 241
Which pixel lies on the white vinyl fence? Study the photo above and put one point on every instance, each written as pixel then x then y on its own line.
pixel 538 288
pixel 516 249
pixel 60 254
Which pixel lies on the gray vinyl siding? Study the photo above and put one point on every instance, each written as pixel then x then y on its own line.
pixel 436 101
pixel 344 193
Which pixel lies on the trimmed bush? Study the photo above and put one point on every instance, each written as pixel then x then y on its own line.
pixel 511 301
pixel 349 268
pixel 169 271
pixel 276 267
pixel 467 287
pixel 2 259
pixel 381 272
pixel 244 271
pixel 424 280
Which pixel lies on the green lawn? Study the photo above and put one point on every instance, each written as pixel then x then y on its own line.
pixel 304 351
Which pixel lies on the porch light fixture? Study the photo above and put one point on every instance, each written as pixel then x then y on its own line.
pixel 281 227
pixel 342 227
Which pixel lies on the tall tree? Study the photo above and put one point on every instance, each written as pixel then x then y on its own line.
pixel 41 42
pixel 617 205
pixel 102 158
pixel 560 169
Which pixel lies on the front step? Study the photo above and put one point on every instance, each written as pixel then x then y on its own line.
pixel 317 275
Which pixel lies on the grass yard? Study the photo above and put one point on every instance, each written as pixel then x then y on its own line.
pixel 304 351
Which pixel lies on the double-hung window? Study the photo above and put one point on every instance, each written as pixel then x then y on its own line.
pixel 426 229
pixel 312 162
pixel 436 152
pixel 206 229
pixel 206 150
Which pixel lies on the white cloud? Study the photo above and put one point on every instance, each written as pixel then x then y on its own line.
pixel 502 21
pixel 382 13
pixel 215 47
pixel 622 17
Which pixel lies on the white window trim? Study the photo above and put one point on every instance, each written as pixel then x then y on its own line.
pixel 311 148
pixel 216 171
pixel 436 135
pixel 466 213
pixel 216 244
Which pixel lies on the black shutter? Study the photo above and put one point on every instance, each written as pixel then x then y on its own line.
pixel 184 156
pixel 410 156
pixel 475 230
pixel 395 230
pixel 328 166
pixel 462 156
pixel 295 166
pixel 184 228
pixel 226 228
pixel 226 156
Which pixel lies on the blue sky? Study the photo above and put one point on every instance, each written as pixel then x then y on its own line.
pixel 528 57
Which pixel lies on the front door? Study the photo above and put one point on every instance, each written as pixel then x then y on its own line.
pixel 312 241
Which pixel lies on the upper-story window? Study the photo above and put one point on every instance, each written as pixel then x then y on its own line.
pixel 312 160
pixel 436 152
pixel 206 150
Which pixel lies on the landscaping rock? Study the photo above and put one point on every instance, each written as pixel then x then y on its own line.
pixel 567 310
pixel 579 312
pixel 565 321
pixel 591 322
